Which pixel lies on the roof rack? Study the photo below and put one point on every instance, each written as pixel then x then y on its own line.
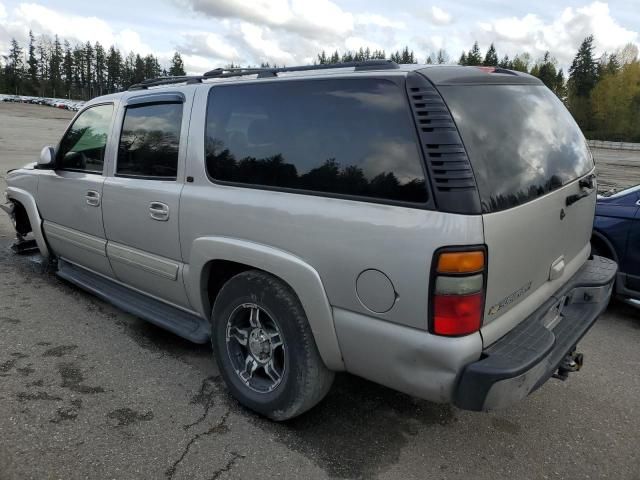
pixel 263 72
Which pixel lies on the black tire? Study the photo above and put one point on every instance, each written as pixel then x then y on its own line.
pixel 305 379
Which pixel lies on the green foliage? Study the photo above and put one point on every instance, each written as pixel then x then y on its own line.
pixel 176 68
pixel 491 58
pixel 474 57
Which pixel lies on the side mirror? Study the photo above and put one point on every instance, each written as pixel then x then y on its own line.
pixel 47 157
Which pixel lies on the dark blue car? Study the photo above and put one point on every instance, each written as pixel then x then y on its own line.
pixel 616 235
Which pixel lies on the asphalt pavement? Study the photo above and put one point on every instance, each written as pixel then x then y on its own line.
pixel 88 391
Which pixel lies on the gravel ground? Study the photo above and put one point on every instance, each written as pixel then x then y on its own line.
pixel 87 391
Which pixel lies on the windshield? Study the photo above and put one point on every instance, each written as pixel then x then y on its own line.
pixel 521 140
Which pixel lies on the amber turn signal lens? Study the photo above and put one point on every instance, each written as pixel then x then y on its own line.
pixel 461 262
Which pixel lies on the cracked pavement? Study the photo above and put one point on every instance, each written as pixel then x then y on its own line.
pixel 88 391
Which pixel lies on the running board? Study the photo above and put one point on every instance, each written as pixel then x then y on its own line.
pixel 184 324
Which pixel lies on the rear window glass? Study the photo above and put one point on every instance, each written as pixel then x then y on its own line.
pixel 521 140
pixel 345 137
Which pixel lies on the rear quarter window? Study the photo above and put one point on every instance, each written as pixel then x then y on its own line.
pixel 350 137
pixel 521 140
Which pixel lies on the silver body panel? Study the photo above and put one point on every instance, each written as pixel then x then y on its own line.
pixel 320 246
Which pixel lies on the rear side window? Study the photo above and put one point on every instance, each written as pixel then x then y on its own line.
pixel 149 141
pixel 82 147
pixel 521 140
pixel 347 137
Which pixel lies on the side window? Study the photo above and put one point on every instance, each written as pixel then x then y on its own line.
pixel 82 148
pixel 149 141
pixel 343 136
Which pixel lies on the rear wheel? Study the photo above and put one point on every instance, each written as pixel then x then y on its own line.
pixel 264 347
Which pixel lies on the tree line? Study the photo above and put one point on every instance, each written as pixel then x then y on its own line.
pixel 602 93
pixel 50 68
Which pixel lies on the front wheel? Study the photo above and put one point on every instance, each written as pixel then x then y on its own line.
pixel 264 347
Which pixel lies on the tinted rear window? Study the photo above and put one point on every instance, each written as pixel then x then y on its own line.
pixel 345 137
pixel 521 140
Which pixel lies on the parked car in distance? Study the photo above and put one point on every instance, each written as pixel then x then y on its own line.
pixel 364 217
pixel 616 235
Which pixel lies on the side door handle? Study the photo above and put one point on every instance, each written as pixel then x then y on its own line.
pixel 93 198
pixel 159 211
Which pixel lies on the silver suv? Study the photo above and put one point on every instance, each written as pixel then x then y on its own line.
pixel 424 227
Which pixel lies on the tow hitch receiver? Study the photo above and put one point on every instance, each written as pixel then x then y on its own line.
pixel 572 362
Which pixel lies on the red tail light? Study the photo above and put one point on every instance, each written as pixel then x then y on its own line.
pixel 457 314
pixel 457 291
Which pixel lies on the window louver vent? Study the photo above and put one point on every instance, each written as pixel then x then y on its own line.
pixel 447 161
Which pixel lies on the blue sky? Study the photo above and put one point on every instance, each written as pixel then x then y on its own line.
pixel 212 33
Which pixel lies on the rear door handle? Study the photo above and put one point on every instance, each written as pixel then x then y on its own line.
pixel 93 198
pixel 159 211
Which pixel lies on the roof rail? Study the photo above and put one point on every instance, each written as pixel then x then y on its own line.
pixel 263 72
pixel 272 72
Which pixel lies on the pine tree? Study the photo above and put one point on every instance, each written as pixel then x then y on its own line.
pixel 474 57
pixel 463 59
pixel 322 58
pixel 100 68
pixel 505 63
pixel 14 68
pixel 176 69
pixel 521 62
pixel 442 57
pixel 32 64
pixel 67 68
pixel 114 69
pixel 55 66
pixel 491 58
pixel 583 73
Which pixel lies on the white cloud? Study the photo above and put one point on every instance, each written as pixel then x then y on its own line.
pixel 440 16
pixel 561 35
pixel 318 17
pixel 44 20
pixel 377 20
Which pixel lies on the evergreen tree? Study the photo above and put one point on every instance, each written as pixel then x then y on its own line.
pixel 583 73
pixel 55 67
pixel 505 62
pixel 176 69
pixel 100 68
pixel 14 68
pixel 32 64
pixel 114 69
pixel 521 62
pixel 491 58
pixel 67 68
pixel 322 58
pixel 463 59
pixel 474 57
pixel 442 57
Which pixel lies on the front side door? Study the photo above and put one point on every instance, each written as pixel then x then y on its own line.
pixel 70 196
pixel 141 198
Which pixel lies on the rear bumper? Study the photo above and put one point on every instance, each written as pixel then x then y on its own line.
pixel 526 357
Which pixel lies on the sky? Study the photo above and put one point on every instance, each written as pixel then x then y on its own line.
pixel 213 33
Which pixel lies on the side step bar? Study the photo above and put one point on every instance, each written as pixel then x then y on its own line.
pixel 184 324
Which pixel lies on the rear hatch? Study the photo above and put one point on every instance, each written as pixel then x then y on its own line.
pixel 528 156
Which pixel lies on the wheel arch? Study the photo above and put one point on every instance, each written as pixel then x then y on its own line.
pixel 600 239
pixel 26 200
pixel 213 254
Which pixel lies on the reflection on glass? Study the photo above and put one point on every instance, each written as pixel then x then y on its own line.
pixel 150 140
pixel 521 140
pixel 352 137
pixel 82 147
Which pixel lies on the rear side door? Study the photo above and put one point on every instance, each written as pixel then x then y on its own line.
pixel 142 195
pixel 70 196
